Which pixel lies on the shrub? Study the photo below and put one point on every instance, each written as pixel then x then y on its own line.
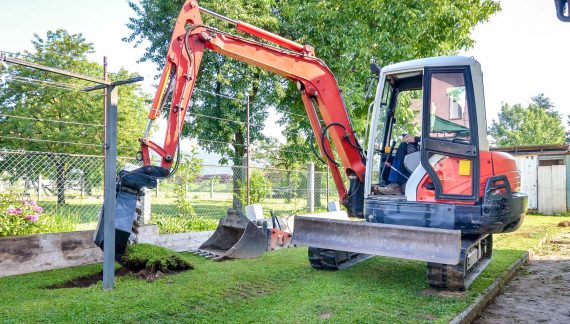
pixel 260 187
pixel 24 216
pixel 182 224
pixel 154 258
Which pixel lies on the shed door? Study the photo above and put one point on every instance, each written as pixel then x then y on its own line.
pixel 552 189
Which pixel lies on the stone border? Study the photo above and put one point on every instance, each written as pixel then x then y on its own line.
pixel 34 253
pixel 474 310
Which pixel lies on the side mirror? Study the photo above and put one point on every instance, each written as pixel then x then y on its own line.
pixel 374 69
pixel 562 10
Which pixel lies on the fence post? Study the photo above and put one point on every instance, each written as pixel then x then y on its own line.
pixel 328 175
pixel 212 188
pixel 248 161
pixel 39 186
pixel 146 206
pixel 311 187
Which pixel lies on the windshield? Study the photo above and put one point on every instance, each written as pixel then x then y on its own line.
pixel 380 130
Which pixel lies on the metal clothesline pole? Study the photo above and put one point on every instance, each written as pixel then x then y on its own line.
pixel 109 149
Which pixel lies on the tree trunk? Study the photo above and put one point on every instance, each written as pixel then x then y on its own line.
pixel 60 179
pixel 238 172
pixel 289 187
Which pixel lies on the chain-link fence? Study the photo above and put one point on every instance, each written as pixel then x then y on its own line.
pixel 71 185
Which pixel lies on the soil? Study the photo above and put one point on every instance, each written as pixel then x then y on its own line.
pixel 87 281
pixel 540 292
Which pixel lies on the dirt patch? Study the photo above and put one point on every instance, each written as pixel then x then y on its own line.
pixel 249 290
pixel 540 292
pixel 325 316
pixel 88 281
pixel 443 293
pixel 564 224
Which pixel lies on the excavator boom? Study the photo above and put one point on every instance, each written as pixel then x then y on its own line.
pixel 318 87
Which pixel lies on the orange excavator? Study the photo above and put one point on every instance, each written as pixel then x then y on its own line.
pixel 457 193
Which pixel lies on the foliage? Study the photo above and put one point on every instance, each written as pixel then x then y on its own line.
pixel 244 290
pixel 188 170
pixel 25 217
pixel 49 107
pixel 56 117
pixel 536 124
pixel 348 34
pixel 407 120
pixel 568 132
pixel 181 224
pixel 260 188
pixel 154 258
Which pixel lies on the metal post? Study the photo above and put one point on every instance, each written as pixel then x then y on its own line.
pixel 211 188
pixel 311 187
pixel 147 205
pixel 110 182
pixel 110 152
pixel 39 187
pixel 247 175
pixel 328 170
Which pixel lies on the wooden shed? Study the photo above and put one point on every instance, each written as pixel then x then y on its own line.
pixel 545 176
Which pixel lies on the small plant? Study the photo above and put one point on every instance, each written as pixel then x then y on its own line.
pixel 24 216
pixel 260 187
pixel 182 224
pixel 154 258
pixel 188 170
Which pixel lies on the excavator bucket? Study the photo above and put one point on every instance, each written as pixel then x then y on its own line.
pixel 235 238
pixel 406 242
pixel 130 184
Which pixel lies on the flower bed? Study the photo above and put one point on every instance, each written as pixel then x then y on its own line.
pixel 24 216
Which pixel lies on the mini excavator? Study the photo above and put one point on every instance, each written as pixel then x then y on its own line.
pixel 457 195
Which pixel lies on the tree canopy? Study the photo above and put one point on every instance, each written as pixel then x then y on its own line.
pixel 536 124
pixel 46 112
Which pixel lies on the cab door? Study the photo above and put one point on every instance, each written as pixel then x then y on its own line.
pixel 449 148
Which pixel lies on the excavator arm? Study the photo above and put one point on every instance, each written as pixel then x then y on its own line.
pixel 318 88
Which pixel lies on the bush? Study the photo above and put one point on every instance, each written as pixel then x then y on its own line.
pixel 23 216
pixel 182 224
pixel 260 188
pixel 154 258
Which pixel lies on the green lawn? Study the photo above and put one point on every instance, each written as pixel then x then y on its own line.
pixel 279 286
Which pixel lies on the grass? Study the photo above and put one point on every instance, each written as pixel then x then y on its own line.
pixel 154 258
pixel 279 286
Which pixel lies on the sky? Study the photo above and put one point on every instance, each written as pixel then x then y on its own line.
pixel 524 50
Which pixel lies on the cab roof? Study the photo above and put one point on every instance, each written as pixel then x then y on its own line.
pixel 430 61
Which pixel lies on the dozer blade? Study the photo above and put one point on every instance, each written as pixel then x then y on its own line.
pixel 235 238
pixel 405 242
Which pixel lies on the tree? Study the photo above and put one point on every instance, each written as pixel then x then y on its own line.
pixel 346 34
pixel 536 124
pixel 46 112
pixel 568 132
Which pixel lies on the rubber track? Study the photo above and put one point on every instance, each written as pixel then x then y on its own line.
pixel 453 277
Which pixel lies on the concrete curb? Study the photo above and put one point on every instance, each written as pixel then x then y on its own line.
pixel 475 309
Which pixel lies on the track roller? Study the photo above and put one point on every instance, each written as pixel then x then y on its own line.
pixel 475 256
